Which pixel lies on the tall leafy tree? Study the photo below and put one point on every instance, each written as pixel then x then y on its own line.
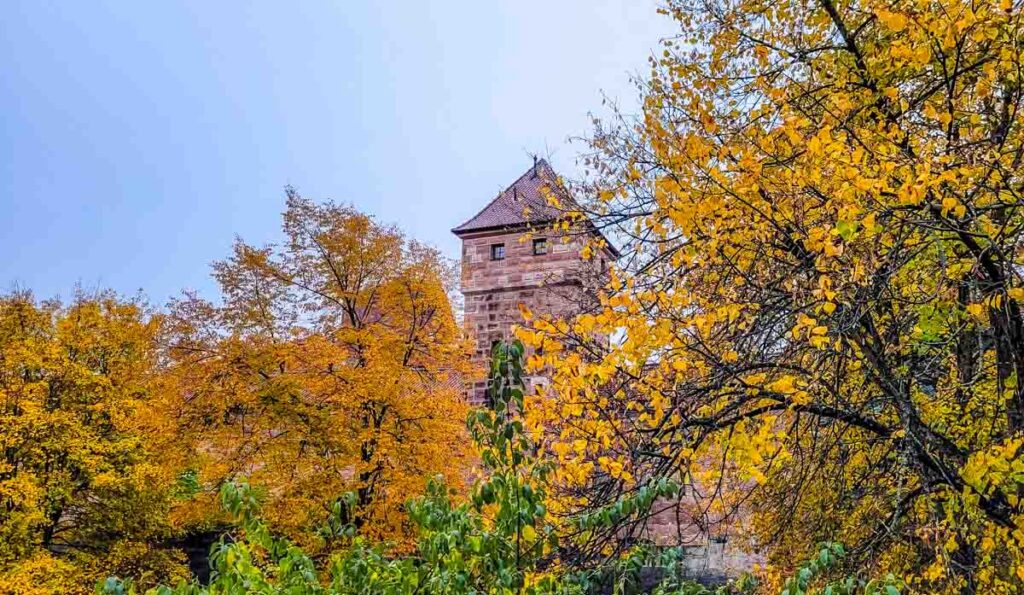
pixel 819 312
pixel 82 491
pixel 333 363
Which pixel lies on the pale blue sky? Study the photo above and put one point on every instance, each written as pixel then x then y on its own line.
pixel 138 138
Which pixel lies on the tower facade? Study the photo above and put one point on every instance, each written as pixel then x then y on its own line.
pixel 511 257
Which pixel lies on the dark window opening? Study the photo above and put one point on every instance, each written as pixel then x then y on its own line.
pixel 540 246
pixel 497 251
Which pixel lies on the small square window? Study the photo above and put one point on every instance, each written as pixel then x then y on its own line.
pixel 540 246
pixel 497 251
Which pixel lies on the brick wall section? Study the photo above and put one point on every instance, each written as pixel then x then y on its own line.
pixel 494 289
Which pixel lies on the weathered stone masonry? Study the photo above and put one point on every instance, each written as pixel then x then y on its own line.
pixel 511 258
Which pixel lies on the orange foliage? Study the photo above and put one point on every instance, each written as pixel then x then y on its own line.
pixel 333 364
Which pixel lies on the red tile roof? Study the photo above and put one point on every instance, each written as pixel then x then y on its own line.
pixel 521 203
pixel 525 202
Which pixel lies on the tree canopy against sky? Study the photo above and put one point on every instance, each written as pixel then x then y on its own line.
pixel 333 364
pixel 819 310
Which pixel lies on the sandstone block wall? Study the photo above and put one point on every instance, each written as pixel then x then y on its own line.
pixel 493 290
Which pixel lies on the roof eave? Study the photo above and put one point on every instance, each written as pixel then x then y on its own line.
pixel 502 228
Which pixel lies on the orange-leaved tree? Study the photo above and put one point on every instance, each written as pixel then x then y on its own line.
pixel 333 364
pixel 83 492
pixel 821 209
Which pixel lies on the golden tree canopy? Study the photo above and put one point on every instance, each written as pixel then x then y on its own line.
pixel 82 490
pixel 819 309
pixel 334 363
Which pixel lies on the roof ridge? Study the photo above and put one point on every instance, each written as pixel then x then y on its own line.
pixel 540 163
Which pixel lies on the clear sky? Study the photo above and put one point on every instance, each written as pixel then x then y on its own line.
pixel 137 139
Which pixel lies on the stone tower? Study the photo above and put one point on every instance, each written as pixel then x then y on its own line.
pixel 511 257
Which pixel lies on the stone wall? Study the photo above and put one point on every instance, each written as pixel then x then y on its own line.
pixel 493 290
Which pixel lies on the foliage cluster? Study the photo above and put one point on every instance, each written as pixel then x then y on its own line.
pixel 501 541
pixel 817 322
pixel 81 491
pixel 332 364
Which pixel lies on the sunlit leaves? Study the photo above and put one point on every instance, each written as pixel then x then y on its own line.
pixel 819 300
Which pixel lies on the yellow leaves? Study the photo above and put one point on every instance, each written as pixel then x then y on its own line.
pixel 870 224
pixel 821 239
pixel 704 322
pixel 922 54
pixel 951 204
pixel 585 324
pixel 817 338
pixel 934 571
pixel 800 398
pixel 571 410
pixel 363 370
pixel 614 281
pixel 976 311
pixel 824 289
pixel 987 544
pixel 84 431
pixel 960 269
pixel 803 321
pixel 614 468
pixel 529 533
pixel 1000 468
pixel 785 385
pixel 42 573
pixel 762 53
pixel 947 204
pixel 951 544
pixel 816 333
pixel 892 21
pixel 823 196
pixel 819 142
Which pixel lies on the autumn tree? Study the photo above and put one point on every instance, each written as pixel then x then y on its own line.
pixel 818 313
pixel 333 363
pixel 82 492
